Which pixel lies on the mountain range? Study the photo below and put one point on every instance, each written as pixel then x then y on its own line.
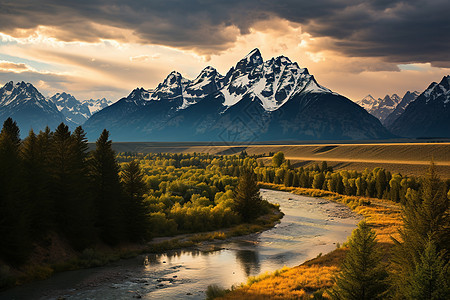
pixel 31 110
pixel 28 107
pixel 77 112
pixel 383 108
pixel 400 108
pixel 428 115
pixel 256 100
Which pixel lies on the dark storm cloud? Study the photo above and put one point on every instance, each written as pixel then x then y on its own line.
pixel 397 31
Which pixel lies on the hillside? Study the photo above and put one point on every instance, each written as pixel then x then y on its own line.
pixel 428 115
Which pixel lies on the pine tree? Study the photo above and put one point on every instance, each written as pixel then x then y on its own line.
pixel 246 197
pixel 36 185
pixel 69 181
pixel 430 279
pixel 425 218
pixel 362 274
pixel 15 243
pixel 80 182
pixel 106 190
pixel 136 212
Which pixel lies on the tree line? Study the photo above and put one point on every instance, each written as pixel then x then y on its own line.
pixel 376 183
pixel 419 265
pixel 52 183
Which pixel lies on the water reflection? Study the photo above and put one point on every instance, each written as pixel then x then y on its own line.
pixel 307 229
pixel 249 261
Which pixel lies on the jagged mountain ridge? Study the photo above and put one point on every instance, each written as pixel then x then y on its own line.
pixel 28 107
pixel 77 112
pixel 400 108
pixel 380 108
pixel 256 100
pixel 428 115
pixel 95 105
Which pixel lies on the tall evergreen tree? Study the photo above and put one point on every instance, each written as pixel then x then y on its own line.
pixel 430 279
pixel 36 184
pixel 15 243
pixel 426 218
pixel 83 196
pixel 136 212
pixel 362 274
pixel 247 198
pixel 69 181
pixel 106 188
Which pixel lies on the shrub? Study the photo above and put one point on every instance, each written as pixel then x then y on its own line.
pixel 214 291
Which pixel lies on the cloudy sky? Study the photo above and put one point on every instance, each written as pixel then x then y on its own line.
pixel 105 48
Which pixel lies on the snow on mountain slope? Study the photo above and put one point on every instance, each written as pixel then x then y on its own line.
pixel 400 108
pixel 17 94
pixel 255 100
pixel 273 82
pixel 428 115
pixel 379 108
pixel 75 112
pixel 95 105
pixel 26 105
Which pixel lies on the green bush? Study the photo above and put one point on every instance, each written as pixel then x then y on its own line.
pixel 214 291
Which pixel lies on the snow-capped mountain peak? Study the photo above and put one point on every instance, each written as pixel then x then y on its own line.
pixel 380 108
pixel 428 115
pixel 272 82
pixel 139 93
pixel 255 100
pixel 73 110
pixel 12 94
pixel 253 58
pixel 368 102
pixel 207 82
pixel 95 105
pixel 172 87
pixel 436 90
pixel 64 100
pixel 25 104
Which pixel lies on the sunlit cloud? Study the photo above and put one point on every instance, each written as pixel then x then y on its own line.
pixel 89 48
pixel 145 58
pixel 7 66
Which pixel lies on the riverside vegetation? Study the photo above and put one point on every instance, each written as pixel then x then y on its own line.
pixel 399 251
pixel 92 207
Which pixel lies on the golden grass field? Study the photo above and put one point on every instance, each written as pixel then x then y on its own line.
pixel 317 274
pixel 404 158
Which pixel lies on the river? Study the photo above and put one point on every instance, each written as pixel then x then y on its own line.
pixel 310 226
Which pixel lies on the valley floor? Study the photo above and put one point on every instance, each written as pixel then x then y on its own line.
pixel 405 158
